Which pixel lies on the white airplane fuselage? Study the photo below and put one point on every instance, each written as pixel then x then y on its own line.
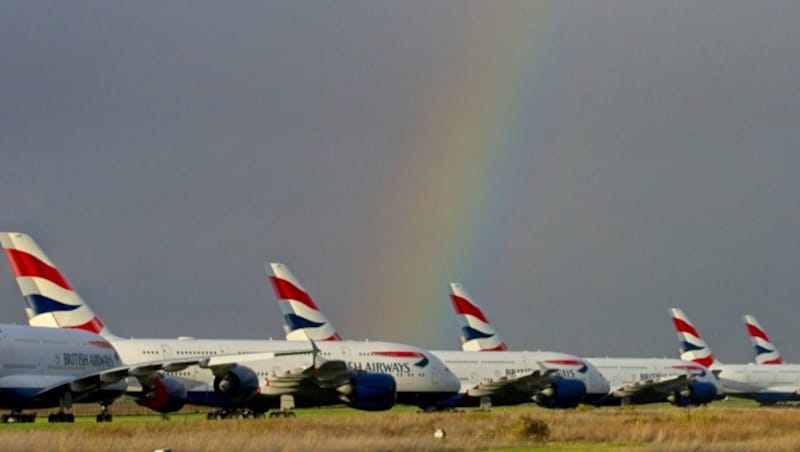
pixel 765 383
pixel 34 359
pixel 420 377
pixel 626 372
pixel 474 368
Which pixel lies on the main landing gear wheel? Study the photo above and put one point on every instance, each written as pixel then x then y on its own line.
pixel 18 416
pixel 61 417
pixel 234 414
pixel 283 413
pixel 104 415
pixel 64 410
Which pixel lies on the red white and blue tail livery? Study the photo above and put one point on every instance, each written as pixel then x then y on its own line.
pixel 303 319
pixel 767 384
pixel 50 300
pixel 693 347
pixel 477 334
pixel 766 351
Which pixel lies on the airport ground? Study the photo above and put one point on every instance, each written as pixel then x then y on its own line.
pixel 727 425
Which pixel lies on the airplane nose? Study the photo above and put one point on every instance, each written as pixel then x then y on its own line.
pixel 452 383
pixel 603 386
pixel 596 383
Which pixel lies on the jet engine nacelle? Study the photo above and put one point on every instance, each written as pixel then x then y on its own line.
pixel 695 393
pixel 238 384
pixel 369 392
pixel 164 395
pixel 564 393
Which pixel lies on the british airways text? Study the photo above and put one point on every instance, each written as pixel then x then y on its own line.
pixel 88 359
pixel 384 368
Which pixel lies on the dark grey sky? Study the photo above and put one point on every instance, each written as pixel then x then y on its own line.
pixel 579 166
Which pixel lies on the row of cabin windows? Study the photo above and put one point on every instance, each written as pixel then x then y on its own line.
pixel 457 361
pixel 183 352
pixel 198 353
pixel 186 373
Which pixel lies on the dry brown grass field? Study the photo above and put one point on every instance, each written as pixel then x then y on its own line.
pixel 718 427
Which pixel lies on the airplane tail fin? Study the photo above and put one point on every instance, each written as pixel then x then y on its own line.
pixel 304 320
pixel 477 333
pixel 50 301
pixel 766 351
pixel 693 347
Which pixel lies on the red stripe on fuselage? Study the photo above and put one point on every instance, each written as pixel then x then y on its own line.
pixel 285 290
pixel 706 362
pixel 24 264
pixel 565 362
pixel 500 348
pixel 774 361
pixel 399 354
pixel 101 344
pixel 697 368
pixel 464 306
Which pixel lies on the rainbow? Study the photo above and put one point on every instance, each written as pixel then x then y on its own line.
pixel 437 220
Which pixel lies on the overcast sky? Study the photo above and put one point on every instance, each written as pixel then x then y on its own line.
pixel 579 166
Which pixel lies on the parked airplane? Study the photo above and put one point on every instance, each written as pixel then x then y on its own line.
pixel 553 380
pixel 632 380
pixel 45 368
pixel 244 380
pixel 764 383
pixel 766 351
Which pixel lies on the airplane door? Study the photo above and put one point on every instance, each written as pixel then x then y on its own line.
pixel 7 355
pixel 166 351
pixel 347 357
pixel 526 364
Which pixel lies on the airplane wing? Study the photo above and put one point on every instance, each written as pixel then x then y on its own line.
pixel 41 385
pixel 86 383
pixel 320 373
pixel 323 374
pixel 147 370
pixel 222 362
pixel 655 390
pixel 524 384
pixel 332 382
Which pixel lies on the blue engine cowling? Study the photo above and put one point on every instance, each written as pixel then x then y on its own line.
pixel 164 395
pixel 370 392
pixel 239 384
pixel 696 393
pixel 563 393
